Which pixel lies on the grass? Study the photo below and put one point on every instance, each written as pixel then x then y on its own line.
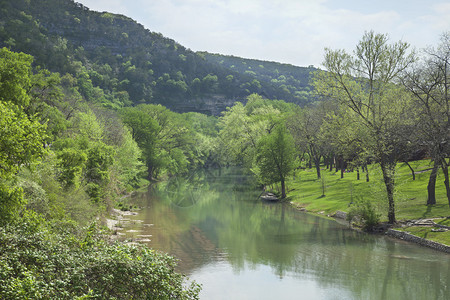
pixel 427 233
pixel 305 190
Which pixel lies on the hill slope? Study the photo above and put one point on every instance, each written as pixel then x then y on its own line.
pixel 118 62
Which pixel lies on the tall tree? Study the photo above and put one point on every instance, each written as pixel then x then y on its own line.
pixel 429 81
pixel 22 137
pixel 143 130
pixel 365 83
pixel 275 157
pixel 242 127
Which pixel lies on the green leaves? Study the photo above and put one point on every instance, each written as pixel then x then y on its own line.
pixel 15 73
pixel 365 85
pixel 275 156
pixel 45 266
pixel 21 140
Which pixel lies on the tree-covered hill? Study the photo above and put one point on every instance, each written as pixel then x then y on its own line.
pixel 293 82
pixel 118 62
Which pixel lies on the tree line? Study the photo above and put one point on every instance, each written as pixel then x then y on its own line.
pixel 120 63
pixel 382 104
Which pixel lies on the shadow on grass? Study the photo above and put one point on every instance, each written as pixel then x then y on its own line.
pixel 428 211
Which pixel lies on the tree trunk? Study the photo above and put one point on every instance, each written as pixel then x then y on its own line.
pixel 357 173
pixel 431 188
pixel 343 165
pixel 317 164
pixel 388 170
pixel 150 172
pixel 412 170
pixel 446 181
pixel 283 189
pixel 367 173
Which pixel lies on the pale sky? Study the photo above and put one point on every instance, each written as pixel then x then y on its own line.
pixel 286 31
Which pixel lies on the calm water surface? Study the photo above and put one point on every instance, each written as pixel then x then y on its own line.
pixel 238 247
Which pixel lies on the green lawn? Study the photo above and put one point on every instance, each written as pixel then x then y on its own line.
pixel 410 197
pixel 428 233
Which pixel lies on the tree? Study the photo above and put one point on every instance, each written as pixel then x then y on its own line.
pixel 162 135
pixel 275 157
pixel 100 158
pixel 22 137
pixel 15 77
pixel 305 126
pixel 429 82
pixel 365 83
pixel 143 130
pixel 21 140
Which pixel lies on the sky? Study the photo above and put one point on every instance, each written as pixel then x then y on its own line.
pixel 286 31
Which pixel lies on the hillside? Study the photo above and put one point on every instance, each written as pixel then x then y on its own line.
pixel 118 62
pixel 292 81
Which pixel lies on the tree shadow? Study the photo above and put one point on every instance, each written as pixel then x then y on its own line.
pixel 428 211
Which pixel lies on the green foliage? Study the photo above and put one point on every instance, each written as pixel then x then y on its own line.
pixel 48 266
pixel 11 203
pixel 21 139
pixel 365 84
pixel 275 157
pixel 166 140
pixel 90 155
pixel 127 162
pixel 120 62
pixel 364 212
pixel 15 73
pixel 100 158
pixel 278 81
pixel 71 163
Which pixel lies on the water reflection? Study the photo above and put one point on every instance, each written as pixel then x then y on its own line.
pixel 241 248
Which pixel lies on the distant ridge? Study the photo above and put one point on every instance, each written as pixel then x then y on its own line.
pixel 128 64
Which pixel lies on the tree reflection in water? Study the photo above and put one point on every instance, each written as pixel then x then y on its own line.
pixel 214 222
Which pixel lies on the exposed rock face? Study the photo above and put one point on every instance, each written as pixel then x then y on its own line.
pixel 213 105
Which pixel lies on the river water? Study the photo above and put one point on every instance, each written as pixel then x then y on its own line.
pixel 239 247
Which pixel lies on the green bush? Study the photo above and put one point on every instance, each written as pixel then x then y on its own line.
pixel 365 213
pixel 41 265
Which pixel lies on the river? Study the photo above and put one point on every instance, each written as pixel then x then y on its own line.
pixel 239 247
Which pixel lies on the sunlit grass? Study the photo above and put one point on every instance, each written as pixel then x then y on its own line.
pixel 428 233
pixel 410 197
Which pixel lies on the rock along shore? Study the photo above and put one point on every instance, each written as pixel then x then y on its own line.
pixel 418 240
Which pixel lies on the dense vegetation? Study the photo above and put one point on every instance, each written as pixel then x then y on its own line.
pixel 64 162
pixel 118 62
pixel 82 125
pixel 292 83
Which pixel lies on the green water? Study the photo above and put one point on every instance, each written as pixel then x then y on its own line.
pixel 239 247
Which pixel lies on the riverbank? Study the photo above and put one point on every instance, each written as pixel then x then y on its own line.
pixel 335 195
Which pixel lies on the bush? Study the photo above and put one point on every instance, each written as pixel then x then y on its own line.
pixel 41 265
pixel 365 213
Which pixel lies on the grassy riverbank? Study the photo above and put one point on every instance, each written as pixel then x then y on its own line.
pixel 333 193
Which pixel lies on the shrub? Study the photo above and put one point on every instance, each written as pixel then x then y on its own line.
pixel 364 212
pixel 41 265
